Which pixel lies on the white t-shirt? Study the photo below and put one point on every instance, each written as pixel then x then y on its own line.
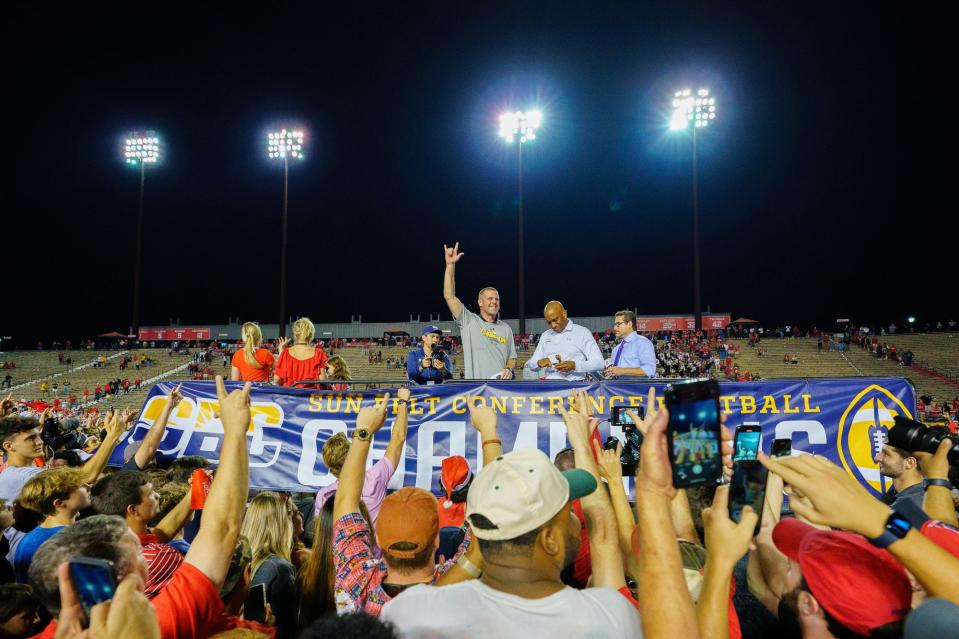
pixel 473 610
pixel 14 478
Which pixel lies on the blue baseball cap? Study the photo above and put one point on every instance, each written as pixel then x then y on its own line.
pixel 431 329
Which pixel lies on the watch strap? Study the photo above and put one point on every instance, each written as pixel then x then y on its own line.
pixel 905 516
pixel 362 434
pixel 945 483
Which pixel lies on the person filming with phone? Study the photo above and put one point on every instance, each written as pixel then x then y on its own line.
pixel 634 356
pixel 430 363
pixel 565 350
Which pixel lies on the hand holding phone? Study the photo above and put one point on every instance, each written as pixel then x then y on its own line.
pixel 255 607
pixel 93 581
pixel 747 443
pixel 782 447
pixel 694 433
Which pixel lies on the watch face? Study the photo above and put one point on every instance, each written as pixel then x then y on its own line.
pixel 898 525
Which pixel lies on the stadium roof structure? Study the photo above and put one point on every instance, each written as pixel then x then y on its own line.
pixel 745 320
pixel 112 334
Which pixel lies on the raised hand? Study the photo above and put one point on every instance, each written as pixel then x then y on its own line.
pixel 577 422
pixel 482 418
pixel 651 412
pixel 282 343
pixel 373 417
pixel 727 541
pixel 234 408
pixel 175 396
pixel 403 393
pixel 655 474
pixel 452 255
pixel 610 468
pixel 834 497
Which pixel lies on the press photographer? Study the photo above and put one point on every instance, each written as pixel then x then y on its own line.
pixel 430 363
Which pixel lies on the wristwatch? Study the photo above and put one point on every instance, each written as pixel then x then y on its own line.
pixel 904 516
pixel 362 434
pixel 945 483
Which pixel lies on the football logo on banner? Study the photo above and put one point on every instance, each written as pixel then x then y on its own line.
pixel 863 430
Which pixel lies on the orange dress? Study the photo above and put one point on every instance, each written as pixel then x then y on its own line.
pixel 251 373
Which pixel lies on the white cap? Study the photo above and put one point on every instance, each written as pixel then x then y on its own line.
pixel 522 490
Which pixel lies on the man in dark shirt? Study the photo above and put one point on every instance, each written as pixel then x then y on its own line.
pixel 903 469
pixel 429 362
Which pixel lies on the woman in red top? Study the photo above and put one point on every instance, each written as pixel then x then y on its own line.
pixel 251 363
pixel 302 360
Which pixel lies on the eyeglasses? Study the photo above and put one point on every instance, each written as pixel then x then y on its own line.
pixel 619 323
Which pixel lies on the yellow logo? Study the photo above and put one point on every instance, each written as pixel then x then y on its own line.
pixel 493 336
pixel 862 432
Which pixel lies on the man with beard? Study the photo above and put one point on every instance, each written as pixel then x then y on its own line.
pixel 903 468
pixel 519 509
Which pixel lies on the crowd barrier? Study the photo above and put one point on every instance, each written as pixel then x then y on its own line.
pixel 840 418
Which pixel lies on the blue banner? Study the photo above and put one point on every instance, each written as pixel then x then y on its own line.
pixel 840 418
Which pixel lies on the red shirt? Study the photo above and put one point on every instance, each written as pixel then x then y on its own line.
pixel 290 369
pixel 162 563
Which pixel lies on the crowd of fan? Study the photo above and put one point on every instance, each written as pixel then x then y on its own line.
pixel 526 547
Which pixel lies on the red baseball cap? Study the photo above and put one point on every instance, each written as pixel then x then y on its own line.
pixel 862 586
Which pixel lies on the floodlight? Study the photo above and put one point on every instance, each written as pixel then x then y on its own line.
pixel 520 125
pixel 285 143
pixel 687 108
pixel 141 149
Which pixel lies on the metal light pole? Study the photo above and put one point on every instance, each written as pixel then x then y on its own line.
pixel 285 144
pixel 140 149
pixel 521 128
pixel 695 111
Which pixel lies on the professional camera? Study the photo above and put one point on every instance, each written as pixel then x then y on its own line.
pixel 914 436
pixel 629 457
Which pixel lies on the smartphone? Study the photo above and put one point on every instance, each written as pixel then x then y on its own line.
pixel 748 438
pixel 693 433
pixel 747 488
pixel 619 417
pixel 255 607
pixel 782 447
pixel 93 581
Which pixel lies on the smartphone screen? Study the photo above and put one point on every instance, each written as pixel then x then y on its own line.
pixel 619 417
pixel 93 581
pixel 255 607
pixel 747 488
pixel 782 447
pixel 747 443
pixel 694 433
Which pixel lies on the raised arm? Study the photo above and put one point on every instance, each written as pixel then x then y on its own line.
pixel 835 499
pixel 726 543
pixel 368 421
pixel 213 547
pixel 148 447
pixel 611 470
pixel 938 500
pixel 483 420
pixel 453 256
pixel 115 425
pixel 394 450
pixel 174 520
pixel 606 558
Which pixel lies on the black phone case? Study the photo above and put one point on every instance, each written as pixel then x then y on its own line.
pixel 690 392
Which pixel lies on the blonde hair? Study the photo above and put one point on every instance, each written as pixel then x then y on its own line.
pixel 41 491
pixel 340 369
pixel 252 337
pixel 303 330
pixel 268 526
pixel 334 452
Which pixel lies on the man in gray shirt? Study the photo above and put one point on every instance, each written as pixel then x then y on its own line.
pixel 907 480
pixel 488 347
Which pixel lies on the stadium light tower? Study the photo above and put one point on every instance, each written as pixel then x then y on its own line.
pixel 286 145
pixel 139 150
pixel 518 128
pixel 694 111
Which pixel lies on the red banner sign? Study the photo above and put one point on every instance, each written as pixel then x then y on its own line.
pixel 173 333
pixel 681 323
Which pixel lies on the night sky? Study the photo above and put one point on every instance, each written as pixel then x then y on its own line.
pixel 802 180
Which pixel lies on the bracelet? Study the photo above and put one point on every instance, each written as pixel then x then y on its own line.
pixel 471 569
pixel 492 441
pixel 945 483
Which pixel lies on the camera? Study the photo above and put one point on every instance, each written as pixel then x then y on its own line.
pixel 914 436
pixel 629 457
